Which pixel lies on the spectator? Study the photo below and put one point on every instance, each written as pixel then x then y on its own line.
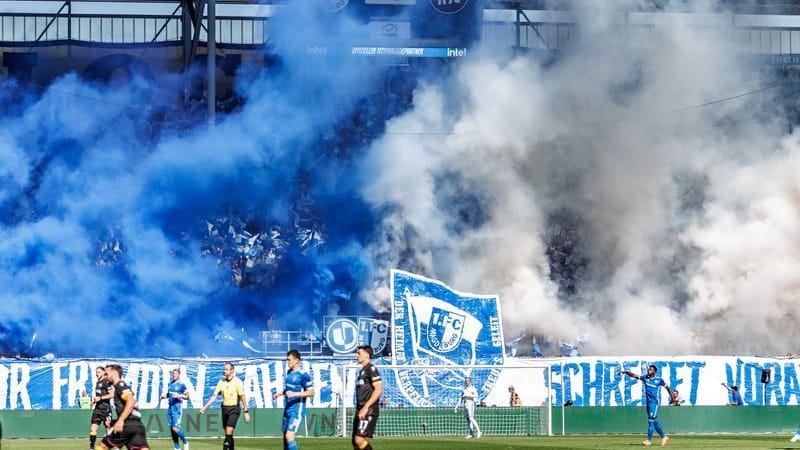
pixel 513 399
pixel 736 397
pixel 675 399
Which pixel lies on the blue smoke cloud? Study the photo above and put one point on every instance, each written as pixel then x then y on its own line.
pixel 127 233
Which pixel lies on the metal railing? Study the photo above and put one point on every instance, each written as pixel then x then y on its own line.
pixel 125 23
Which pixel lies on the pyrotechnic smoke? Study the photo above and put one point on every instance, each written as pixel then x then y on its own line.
pixel 596 199
pixel 585 191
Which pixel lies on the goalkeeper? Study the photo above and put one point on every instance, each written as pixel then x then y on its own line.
pixel 469 397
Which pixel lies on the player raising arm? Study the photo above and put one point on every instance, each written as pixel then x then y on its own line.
pixel 651 383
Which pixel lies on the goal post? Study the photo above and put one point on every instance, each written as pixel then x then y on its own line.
pixel 419 400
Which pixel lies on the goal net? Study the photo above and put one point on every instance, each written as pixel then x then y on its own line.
pixel 419 400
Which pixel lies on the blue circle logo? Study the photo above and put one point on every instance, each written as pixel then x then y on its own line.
pixel 449 6
pixel 342 336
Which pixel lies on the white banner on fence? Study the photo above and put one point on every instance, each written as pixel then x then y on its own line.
pixel 586 381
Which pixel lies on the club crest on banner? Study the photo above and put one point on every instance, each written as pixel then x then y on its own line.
pixel 342 336
pixel 373 332
pixel 434 325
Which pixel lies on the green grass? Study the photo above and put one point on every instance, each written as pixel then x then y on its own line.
pixel 449 443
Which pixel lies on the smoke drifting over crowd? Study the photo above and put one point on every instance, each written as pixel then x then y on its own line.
pixel 588 192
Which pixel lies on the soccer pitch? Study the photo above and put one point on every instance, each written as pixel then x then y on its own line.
pixel 450 443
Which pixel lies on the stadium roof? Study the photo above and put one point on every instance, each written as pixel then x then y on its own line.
pixel 771 7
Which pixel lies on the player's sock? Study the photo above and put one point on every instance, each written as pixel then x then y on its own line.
pixel 291 445
pixel 182 437
pixel 92 439
pixel 175 444
pixel 659 430
pixel 650 429
pixel 227 444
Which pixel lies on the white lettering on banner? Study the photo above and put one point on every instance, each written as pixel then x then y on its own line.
pixel 58 383
pixel 586 381
pixel 148 386
pixel 20 376
pixel 166 379
pixel 497 336
pixel 321 382
pixel 78 380
pixel 399 315
pixel 252 391
pixel 4 376
pixel 272 383
pixel 197 390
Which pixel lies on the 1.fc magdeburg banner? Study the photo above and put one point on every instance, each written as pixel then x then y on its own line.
pixel 433 324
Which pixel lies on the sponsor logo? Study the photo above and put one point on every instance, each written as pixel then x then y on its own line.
pixel 449 6
pixel 342 336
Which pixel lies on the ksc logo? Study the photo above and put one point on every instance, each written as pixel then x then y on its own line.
pixel 449 6
pixel 342 336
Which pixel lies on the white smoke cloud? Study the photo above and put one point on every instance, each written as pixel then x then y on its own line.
pixel 685 213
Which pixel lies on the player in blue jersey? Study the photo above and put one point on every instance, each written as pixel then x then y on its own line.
pixel 297 386
pixel 176 393
pixel 651 383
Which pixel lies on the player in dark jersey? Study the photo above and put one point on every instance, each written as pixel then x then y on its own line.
pixel 127 428
pixel 101 413
pixel 368 392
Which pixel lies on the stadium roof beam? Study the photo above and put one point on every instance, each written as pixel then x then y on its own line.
pixel 767 7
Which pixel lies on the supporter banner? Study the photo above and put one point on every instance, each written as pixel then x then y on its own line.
pixel 59 384
pixel 433 324
pixel 597 381
pixel 586 381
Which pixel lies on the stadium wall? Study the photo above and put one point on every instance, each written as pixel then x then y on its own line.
pixel 323 421
pixel 75 423
pixel 678 420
